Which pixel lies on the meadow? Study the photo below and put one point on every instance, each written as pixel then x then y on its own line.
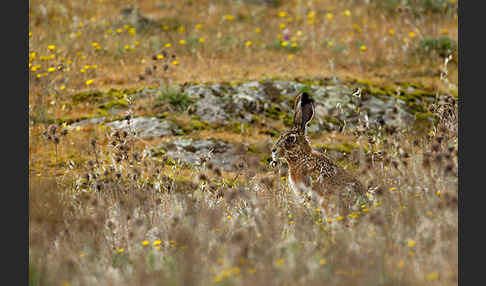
pixel 151 125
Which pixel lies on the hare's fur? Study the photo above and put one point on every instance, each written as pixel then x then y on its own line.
pixel 311 172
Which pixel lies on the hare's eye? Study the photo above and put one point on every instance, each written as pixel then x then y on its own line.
pixel 290 139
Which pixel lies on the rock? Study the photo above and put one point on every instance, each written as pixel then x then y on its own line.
pixel 89 122
pixel 222 103
pixel 147 127
pixel 222 154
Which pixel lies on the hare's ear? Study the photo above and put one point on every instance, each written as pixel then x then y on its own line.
pixel 303 111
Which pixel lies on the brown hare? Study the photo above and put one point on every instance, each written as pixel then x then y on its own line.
pixel 312 173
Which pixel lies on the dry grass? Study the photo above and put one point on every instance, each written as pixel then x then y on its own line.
pixel 94 204
pixel 90 228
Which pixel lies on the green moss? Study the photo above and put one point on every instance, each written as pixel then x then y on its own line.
pixel 252 149
pixel 332 120
pixel 270 132
pixel 181 132
pixel 265 159
pixel 170 162
pixel 274 112
pixel 420 93
pixel 163 115
pixel 424 115
pixel 288 120
pixel 346 147
pixel 236 127
pixel 157 152
pixel 120 103
pixel 92 96
pixel 198 125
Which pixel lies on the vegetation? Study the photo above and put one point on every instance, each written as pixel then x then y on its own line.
pixel 109 207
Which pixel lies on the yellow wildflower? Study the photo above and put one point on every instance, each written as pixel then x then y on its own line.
pixel 51 69
pixel 168 45
pixel 258 30
pixel 51 47
pixel 311 14
pixel 175 63
pixel 347 13
pixel 289 56
pixel 282 14
pixel 400 264
pixel 89 81
pixel 432 276
pixel 330 16
pixel 202 40
pixel 322 261
pixel 248 43
pixel 411 243
pixel 412 34
pixel 363 48
pixel 145 242
pixel 182 42
pixel 229 17
pixel 157 242
pixel 159 56
pixel 198 26
pixel 391 32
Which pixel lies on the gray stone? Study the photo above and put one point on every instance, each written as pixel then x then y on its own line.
pixel 89 122
pixel 147 127
pixel 194 151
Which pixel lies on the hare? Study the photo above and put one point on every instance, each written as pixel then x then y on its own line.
pixel 313 173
